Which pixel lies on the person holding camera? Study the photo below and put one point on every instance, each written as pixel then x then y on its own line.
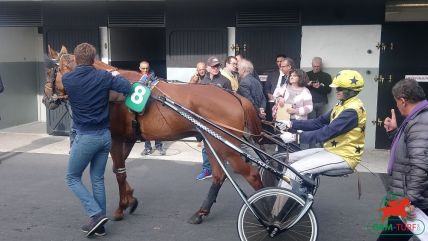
pixel 319 86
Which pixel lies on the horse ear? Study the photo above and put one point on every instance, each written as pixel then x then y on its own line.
pixel 63 50
pixel 52 53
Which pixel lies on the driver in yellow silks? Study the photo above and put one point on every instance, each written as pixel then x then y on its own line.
pixel 341 130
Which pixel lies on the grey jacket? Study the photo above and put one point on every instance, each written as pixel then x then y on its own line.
pixel 250 88
pixel 410 169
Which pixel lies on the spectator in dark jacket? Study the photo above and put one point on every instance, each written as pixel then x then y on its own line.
pixel 239 57
pixel 408 163
pixel 319 86
pixel 148 78
pixel 214 76
pixel 273 78
pixel 250 87
pixel 201 71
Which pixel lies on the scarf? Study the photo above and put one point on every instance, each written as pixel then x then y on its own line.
pixel 233 80
pixel 418 108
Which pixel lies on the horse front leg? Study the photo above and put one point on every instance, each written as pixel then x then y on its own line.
pixel 218 179
pixel 205 209
pixel 119 152
pixel 249 172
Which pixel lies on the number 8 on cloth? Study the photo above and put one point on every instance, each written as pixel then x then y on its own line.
pixel 139 97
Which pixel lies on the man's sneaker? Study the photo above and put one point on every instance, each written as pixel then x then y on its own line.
pixel 147 151
pixel 205 173
pixel 94 224
pixel 101 231
pixel 161 151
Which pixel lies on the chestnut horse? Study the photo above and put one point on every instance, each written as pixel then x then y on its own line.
pixel 162 123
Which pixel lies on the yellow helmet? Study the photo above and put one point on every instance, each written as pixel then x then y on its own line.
pixel 348 79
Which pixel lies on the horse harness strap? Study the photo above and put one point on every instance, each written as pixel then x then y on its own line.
pixel 136 129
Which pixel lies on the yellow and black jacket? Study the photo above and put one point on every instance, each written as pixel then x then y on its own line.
pixel 342 130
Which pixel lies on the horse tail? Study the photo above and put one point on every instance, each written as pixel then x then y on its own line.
pixel 252 120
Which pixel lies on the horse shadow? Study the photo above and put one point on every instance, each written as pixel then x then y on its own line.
pixel 171 148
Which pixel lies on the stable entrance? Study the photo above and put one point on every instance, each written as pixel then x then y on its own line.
pixel 129 46
pixel 261 45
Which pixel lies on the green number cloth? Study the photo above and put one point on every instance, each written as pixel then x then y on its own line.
pixel 139 97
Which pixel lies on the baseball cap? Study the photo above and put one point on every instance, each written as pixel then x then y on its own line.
pixel 213 61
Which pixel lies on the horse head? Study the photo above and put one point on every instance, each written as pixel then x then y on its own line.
pixel 57 65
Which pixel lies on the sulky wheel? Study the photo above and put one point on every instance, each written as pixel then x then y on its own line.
pixel 278 208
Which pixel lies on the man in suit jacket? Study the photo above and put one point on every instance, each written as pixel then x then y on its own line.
pixel 272 78
pixel 276 79
pixel 270 85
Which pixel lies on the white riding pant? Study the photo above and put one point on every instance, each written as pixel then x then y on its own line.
pixel 314 161
pixel 310 161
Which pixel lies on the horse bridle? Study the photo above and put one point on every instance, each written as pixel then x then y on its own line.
pixel 55 98
pixel 53 79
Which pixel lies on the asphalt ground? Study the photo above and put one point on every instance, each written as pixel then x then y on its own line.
pixel 35 203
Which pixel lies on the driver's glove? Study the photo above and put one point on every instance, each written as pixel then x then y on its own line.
pixel 288 137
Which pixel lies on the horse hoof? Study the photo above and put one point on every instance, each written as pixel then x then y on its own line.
pixel 195 219
pixel 117 218
pixel 133 205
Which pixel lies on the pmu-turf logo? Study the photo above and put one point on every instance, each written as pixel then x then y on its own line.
pixel 395 205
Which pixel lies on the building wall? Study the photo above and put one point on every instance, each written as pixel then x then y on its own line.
pixel 21 68
pixel 343 45
pixel 347 47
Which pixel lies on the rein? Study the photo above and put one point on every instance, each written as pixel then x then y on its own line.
pixel 269 123
pixel 215 122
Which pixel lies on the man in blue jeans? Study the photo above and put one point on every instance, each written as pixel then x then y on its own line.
pixel 88 92
pixel 206 167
